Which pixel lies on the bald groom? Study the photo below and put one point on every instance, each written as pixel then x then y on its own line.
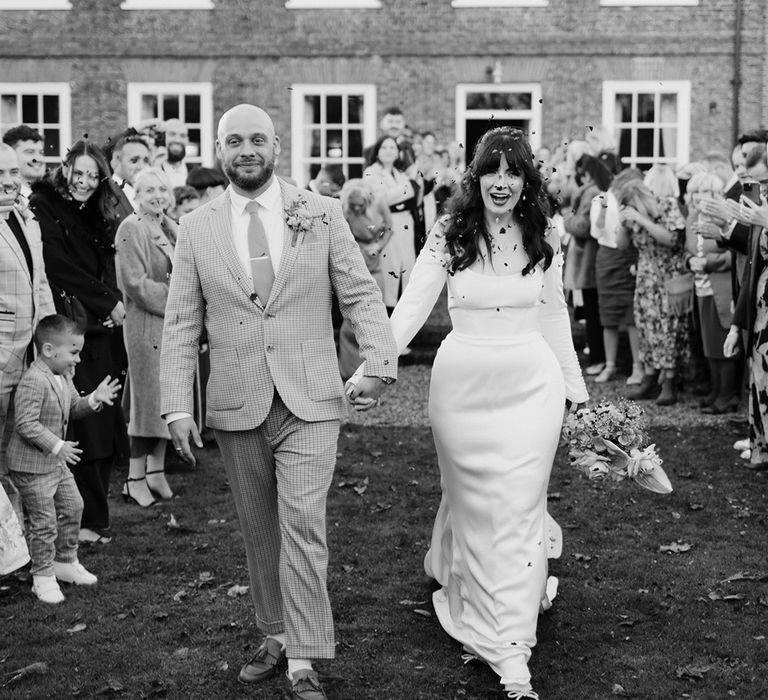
pixel 256 268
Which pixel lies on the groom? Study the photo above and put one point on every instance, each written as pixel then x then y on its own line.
pixel 256 268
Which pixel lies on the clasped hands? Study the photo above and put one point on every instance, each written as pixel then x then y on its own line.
pixel 364 392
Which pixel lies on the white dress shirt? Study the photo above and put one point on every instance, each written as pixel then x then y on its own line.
pixel 128 190
pixel 271 215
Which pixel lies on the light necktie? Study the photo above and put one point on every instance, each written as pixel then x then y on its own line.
pixel 261 264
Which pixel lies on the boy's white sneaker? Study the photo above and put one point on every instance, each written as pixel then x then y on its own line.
pixel 741 445
pixel 73 572
pixel 47 589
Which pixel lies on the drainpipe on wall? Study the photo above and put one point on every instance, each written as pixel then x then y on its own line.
pixel 736 71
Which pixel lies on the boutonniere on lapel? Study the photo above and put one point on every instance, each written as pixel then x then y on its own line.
pixel 298 218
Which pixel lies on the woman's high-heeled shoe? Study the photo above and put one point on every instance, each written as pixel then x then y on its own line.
pixel 161 490
pixel 128 496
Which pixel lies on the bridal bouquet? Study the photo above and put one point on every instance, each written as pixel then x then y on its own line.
pixel 606 442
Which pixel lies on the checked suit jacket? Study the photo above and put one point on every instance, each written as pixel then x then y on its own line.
pixel 43 411
pixel 25 297
pixel 286 344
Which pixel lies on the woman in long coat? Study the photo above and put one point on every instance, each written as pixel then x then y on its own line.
pixel 71 207
pixel 144 245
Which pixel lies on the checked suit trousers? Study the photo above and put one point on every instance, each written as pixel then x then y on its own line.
pixel 279 474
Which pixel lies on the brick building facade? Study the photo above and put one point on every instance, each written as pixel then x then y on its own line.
pixel 670 79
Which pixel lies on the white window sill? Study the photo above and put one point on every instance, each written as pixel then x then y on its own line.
pixel 167 5
pixel 36 5
pixel 332 5
pixel 499 3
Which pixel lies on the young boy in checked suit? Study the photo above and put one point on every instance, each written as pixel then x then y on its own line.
pixel 38 455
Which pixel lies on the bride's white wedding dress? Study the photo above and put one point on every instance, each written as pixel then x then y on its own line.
pixel 496 405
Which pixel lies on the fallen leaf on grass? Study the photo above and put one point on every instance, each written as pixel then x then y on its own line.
pixel 763 601
pixel 619 690
pixel 348 568
pixel 223 666
pixel 39 667
pixel 675 547
pixel 696 506
pixel 112 687
pixel 172 523
pixel 719 595
pixel 181 653
pixel 380 507
pixel 692 672
pixel 582 557
pixel 236 591
pixel 178 596
pixel 160 615
pixel 746 576
pixel 204 578
pixel 555 496
pixel 79 627
pixel 361 487
pixel 423 613
pixel 412 602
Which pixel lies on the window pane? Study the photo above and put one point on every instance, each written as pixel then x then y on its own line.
pixel 314 150
pixel 9 115
pixel 192 109
pixel 355 143
pixel 624 139
pixel 624 108
pixel 334 145
pixel 355 109
pixel 52 142
pixel 29 111
pixel 333 109
pixel 149 107
pixel 668 142
pixel 50 109
pixel 312 109
pixel 645 108
pixel 355 170
pixel 668 109
pixel 193 149
pixel 171 107
pixel 645 143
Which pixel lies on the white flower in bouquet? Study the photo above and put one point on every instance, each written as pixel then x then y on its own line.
pixel 606 442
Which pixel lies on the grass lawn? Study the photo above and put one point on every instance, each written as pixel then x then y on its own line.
pixel 167 618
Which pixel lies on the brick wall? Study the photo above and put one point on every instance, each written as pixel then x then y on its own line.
pixel 414 51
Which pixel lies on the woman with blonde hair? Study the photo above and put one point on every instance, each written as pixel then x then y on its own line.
pixel 144 247
pixel 711 266
pixel 657 229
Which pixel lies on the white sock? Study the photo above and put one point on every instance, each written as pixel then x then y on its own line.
pixel 298 665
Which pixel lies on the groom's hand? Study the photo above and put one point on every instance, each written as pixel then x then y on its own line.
pixel 365 393
pixel 180 430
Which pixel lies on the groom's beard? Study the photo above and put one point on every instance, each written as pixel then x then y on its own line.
pixel 247 182
pixel 175 152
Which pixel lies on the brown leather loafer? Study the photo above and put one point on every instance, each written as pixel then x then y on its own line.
pixel 268 660
pixel 305 685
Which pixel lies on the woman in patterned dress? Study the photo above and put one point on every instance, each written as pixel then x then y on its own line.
pixel 657 229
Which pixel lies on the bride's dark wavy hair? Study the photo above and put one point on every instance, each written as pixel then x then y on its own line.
pixel 466 224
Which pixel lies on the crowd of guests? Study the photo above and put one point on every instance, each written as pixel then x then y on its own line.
pixel 676 259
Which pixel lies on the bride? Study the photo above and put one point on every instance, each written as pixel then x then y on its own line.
pixel 500 383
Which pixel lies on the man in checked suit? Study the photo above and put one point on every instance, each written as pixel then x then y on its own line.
pixel 275 397
pixel 24 299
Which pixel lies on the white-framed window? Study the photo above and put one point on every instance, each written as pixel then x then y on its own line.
pixel 35 5
pixel 650 120
pixel 166 5
pixel 42 106
pixel 332 4
pixel 648 3
pixel 191 103
pixel 331 124
pixel 499 3
pixel 483 106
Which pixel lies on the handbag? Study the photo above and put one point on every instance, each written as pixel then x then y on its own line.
pixel 13 547
pixel 679 290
